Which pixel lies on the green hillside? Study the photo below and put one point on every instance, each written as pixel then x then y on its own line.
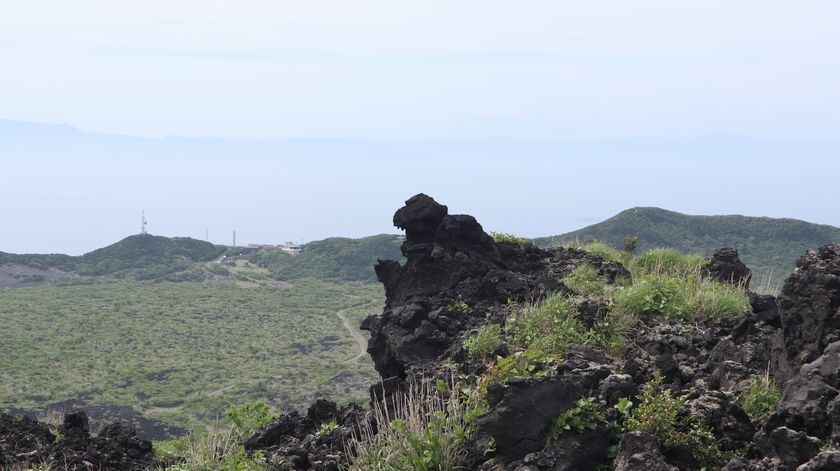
pixel 336 258
pixel 144 256
pixel 764 244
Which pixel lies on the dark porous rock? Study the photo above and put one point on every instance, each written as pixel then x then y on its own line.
pixel 454 280
pixel 23 441
pixel 291 439
pixel 790 447
pixel 322 411
pixel 825 461
pixel 573 451
pixel 729 423
pixel 116 447
pixel 765 309
pixel 725 266
pixel 809 307
pixel 521 413
pixel 640 450
pixel 827 366
pixel 616 386
pixel 804 405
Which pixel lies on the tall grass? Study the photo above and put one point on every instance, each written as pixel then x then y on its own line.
pixel 424 429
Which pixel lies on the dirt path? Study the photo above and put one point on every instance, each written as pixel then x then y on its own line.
pixel 361 341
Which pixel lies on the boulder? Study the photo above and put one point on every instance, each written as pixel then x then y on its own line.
pixel 725 266
pixel 640 450
pixel 788 448
pixel 825 461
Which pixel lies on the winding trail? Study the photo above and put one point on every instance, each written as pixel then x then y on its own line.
pixel 357 336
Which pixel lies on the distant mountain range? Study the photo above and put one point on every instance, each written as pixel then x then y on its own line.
pixel 765 244
pixel 143 256
pixel 149 257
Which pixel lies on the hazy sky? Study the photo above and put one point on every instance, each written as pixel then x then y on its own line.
pixel 538 117
pixel 409 69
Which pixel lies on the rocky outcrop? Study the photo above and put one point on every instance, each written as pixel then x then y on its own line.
pixel 24 442
pixel 809 307
pixel 301 442
pixel 725 266
pixel 456 278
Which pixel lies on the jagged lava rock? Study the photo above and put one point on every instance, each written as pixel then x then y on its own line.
pixel 727 267
pixel 640 451
pixel 453 274
pixel 809 307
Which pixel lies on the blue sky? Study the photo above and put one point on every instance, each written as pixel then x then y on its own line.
pixel 363 69
pixel 538 117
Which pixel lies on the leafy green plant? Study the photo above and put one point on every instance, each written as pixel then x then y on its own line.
pixel 629 244
pixel 500 237
pixel 458 306
pixel 580 418
pixel 761 397
pixel 658 412
pixel 483 341
pixel 326 428
pixel 248 418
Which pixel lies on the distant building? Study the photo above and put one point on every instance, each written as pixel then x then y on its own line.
pixel 291 248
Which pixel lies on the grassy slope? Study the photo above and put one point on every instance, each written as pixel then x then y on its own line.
pixel 335 258
pixel 763 243
pixel 144 255
pixel 181 352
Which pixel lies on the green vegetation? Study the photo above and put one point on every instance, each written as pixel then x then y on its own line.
pixel 665 284
pixel 427 431
pixel 458 306
pixel 500 237
pixel 332 259
pixel 143 257
pixel 658 412
pixel 182 352
pixel 580 418
pixel 219 449
pixel 326 428
pixel 768 246
pixel 484 341
pixel 761 397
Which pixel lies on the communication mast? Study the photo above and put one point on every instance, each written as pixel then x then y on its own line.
pixel 142 222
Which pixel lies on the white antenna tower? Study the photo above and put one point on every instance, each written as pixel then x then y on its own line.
pixel 142 222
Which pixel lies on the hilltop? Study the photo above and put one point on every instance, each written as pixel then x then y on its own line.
pixel 143 256
pixel 764 243
pixel 336 258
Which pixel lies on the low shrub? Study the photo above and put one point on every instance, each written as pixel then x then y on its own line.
pixel 658 412
pixel 580 418
pixel 424 430
pixel 483 341
pixel 761 397
pixel 500 237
